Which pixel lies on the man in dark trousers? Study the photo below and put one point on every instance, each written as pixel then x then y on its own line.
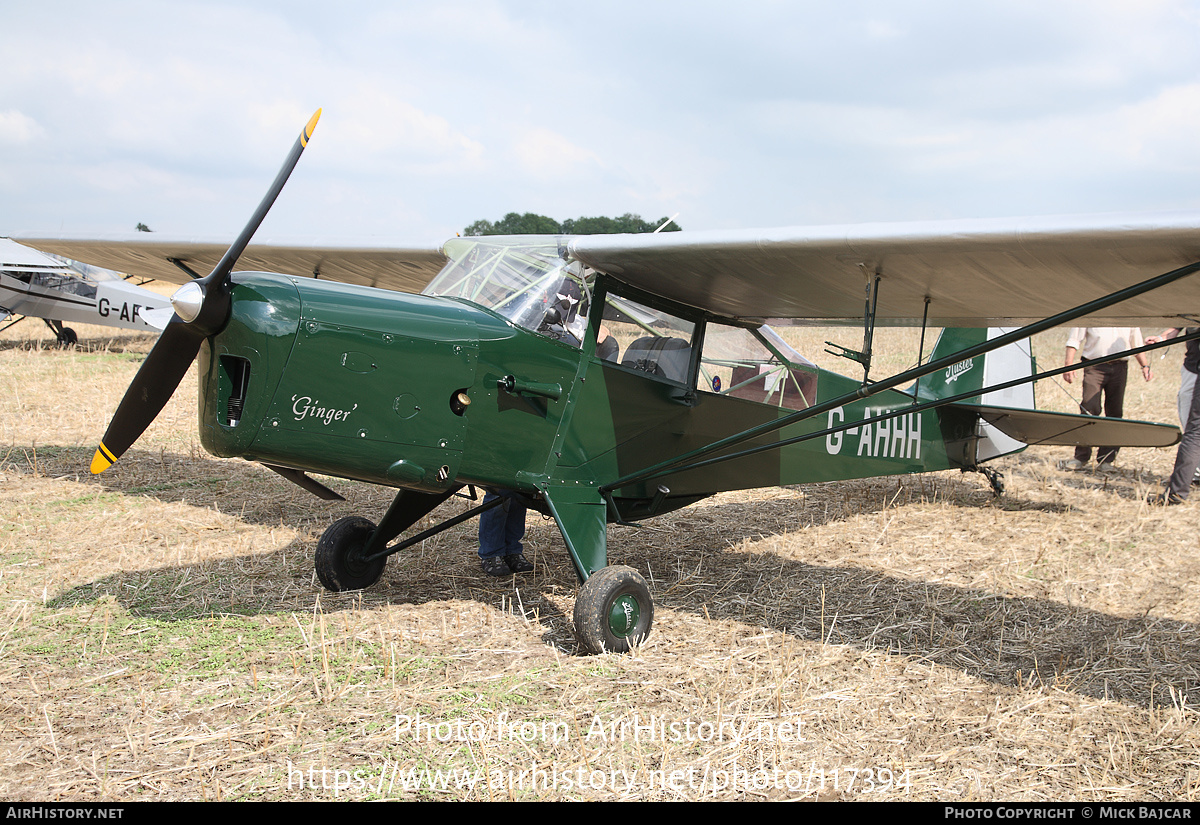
pixel 1108 378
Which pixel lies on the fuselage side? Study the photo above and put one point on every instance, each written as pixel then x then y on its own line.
pixel 369 384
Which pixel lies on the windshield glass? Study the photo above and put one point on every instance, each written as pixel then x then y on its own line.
pixel 525 279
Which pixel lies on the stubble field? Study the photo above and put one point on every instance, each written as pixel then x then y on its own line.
pixel 163 637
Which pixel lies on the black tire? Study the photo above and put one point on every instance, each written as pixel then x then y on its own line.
pixel 613 610
pixel 67 338
pixel 340 565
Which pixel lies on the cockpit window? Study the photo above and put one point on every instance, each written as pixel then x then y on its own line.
pixel 645 339
pixel 756 365
pixel 66 282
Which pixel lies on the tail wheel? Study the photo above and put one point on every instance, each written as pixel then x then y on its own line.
pixel 340 561
pixel 613 610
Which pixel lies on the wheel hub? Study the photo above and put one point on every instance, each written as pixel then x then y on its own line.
pixel 623 615
pixel 356 559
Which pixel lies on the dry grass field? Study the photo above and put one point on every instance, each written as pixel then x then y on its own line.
pixel 163 636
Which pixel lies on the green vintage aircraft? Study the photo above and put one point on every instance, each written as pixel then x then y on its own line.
pixel 614 378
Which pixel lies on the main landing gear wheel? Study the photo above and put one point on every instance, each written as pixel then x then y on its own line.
pixel 67 338
pixel 613 610
pixel 340 562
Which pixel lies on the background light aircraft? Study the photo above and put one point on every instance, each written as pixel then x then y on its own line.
pixel 34 285
pixel 615 378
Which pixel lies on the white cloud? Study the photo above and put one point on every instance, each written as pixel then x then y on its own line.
pixel 548 155
pixel 17 127
pixel 379 129
pixel 1160 130
pixel 878 29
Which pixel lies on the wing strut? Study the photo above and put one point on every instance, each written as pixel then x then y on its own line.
pixel 870 304
pixel 921 348
pixel 187 270
pixel 678 462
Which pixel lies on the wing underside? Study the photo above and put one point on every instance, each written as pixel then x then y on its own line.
pixel 149 255
pixel 974 273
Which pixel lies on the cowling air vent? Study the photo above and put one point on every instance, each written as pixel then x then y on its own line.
pixel 235 379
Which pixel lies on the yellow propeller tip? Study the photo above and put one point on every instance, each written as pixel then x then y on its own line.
pixel 312 124
pixel 102 460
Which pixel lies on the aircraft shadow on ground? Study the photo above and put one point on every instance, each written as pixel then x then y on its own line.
pixel 252 492
pixel 1013 641
pixel 1006 640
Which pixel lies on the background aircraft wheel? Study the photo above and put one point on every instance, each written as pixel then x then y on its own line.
pixel 340 565
pixel 67 338
pixel 612 610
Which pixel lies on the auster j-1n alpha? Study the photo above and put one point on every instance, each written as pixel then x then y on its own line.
pixel 33 285
pixel 614 378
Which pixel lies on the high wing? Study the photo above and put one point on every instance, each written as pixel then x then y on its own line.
pixel 975 273
pixel 151 255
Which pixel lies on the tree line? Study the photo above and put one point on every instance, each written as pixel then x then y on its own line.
pixel 531 224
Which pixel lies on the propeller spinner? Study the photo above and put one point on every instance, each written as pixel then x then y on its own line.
pixel 201 309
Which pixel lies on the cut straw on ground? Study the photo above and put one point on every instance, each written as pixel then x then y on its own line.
pixel 164 637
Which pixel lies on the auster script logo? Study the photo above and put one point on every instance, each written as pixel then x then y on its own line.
pixel 955 370
pixel 305 407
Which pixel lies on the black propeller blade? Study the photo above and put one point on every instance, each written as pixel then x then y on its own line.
pixel 201 309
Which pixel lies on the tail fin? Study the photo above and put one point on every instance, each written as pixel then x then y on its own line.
pixel 1004 364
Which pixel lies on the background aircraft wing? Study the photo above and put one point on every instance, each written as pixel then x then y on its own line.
pixel 150 255
pixel 976 273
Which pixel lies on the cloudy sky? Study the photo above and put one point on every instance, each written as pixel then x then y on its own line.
pixel 437 114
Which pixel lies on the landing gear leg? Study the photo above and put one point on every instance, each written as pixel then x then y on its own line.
pixel 994 477
pixel 352 552
pixel 65 335
pixel 613 610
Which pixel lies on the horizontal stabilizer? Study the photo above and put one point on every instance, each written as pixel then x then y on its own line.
pixel 1071 430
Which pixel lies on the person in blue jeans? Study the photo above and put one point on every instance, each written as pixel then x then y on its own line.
pixel 500 532
pixel 1187 458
